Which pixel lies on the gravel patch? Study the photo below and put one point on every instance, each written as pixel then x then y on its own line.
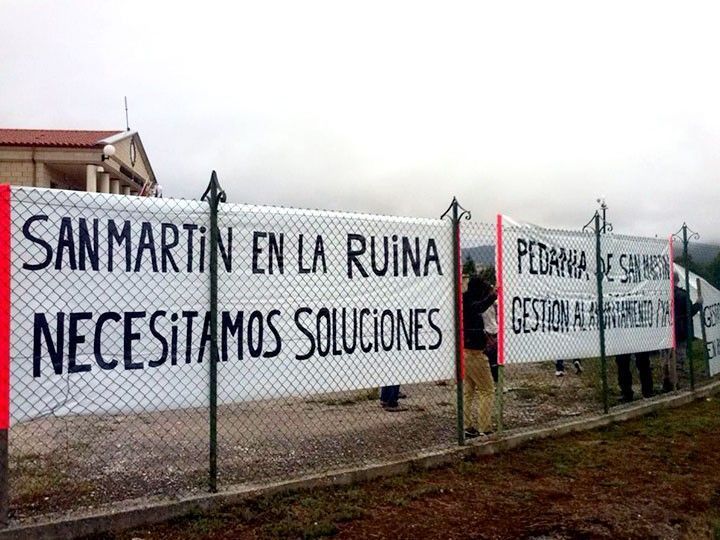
pixel 75 463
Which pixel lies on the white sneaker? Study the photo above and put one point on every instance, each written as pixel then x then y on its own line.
pixel 559 373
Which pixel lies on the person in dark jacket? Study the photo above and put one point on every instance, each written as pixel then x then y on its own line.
pixel 479 387
pixel 682 333
pixel 642 359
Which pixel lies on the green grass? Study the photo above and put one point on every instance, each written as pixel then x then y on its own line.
pixel 424 491
pixel 203 525
pixel 567 458
pixel 290 528
pixel 40 477
pixel 466 467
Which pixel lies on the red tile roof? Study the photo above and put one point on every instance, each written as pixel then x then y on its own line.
pixel 53 137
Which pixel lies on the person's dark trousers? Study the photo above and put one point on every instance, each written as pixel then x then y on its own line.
pixel 624 376
pixel 559 365
pixel 642 361
pixel 389 395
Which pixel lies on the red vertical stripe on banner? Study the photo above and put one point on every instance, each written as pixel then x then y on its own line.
pixel 4 306
pixel 500 292
pixel 461 326
pixel 672 292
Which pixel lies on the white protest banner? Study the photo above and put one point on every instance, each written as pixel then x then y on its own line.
pixel 110 299
pixel 709 316
pixel 549 300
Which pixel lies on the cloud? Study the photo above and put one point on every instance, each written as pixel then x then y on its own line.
pixel 531 109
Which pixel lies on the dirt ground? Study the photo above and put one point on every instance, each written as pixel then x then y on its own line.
pixel 61 465
pixel 75 463
pixel 655 477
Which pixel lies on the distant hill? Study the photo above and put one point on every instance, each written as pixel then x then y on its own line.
pixel 482 255
pixel 699 252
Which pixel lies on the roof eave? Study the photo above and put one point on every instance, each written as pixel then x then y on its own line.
pixel 112 139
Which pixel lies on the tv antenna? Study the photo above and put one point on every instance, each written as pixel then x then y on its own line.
pixel 127 119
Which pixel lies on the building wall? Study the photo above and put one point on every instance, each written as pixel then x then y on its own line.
pixel 17 173
pixel 122 152
pixel 41 167
pixel 25 173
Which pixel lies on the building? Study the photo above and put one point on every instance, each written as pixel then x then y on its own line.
pixel 97 161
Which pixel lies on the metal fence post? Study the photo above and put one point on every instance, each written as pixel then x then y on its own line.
pixel 459 352
pixel 688 308
pixel 601 314
pixel 456 213
pixel 214 195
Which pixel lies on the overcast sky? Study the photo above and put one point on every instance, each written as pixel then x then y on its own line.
pixel 530 109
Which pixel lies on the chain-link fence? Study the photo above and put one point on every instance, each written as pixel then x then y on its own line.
pixel 163 347
pixel 87 394
pixel 553 385
pixel 549 380
pixel 350 316
pixel 333 336
pixel 701 360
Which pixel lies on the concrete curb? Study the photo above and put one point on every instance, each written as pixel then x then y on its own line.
pixel 141 513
